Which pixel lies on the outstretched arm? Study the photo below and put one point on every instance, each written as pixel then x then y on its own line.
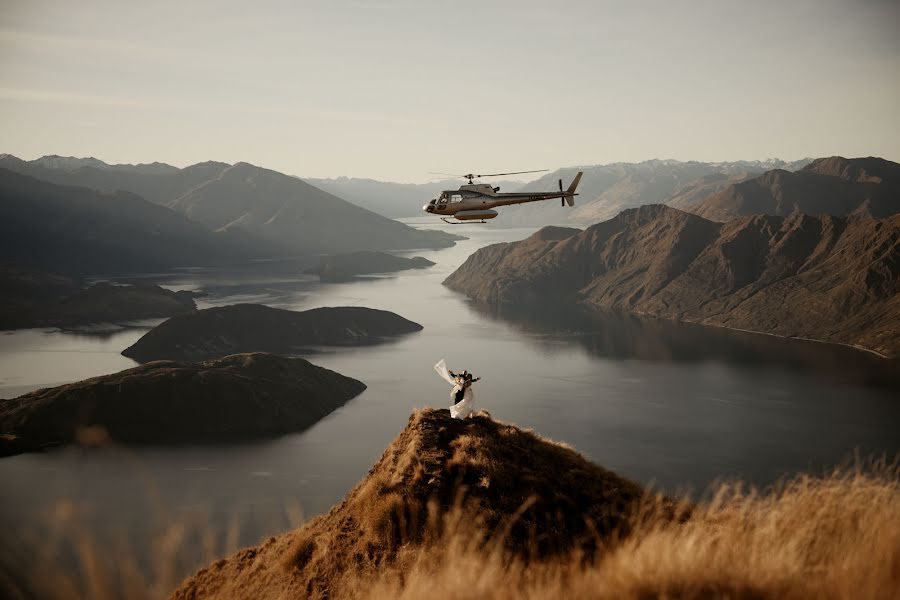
pixel 476 379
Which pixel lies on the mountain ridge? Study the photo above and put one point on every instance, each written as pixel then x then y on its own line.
pixel 294 215
pixel 834 279
pixel 834 185
pixel 77 230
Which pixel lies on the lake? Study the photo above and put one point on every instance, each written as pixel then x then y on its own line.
pixel 671 405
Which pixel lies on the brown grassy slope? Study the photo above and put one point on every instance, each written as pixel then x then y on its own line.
pixel 832 537
pixel 836 537
pixel 540 498
pixel 826 278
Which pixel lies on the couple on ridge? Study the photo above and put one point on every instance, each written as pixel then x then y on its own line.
pixel 462 394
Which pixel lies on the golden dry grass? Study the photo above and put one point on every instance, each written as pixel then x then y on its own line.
pixel 831 537
pixel 467 510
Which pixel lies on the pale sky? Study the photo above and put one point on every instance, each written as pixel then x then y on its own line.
pixel 394 89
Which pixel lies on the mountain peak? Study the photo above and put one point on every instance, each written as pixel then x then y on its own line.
pixel 55 161
pixel 507 478
pixel 867 169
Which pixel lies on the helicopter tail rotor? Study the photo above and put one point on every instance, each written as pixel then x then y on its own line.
pixel 570 192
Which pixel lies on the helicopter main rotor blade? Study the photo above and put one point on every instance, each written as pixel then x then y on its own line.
pixel 445 174
pixel 512 173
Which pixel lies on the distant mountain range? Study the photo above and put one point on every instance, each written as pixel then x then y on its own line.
pixel 606 190
pixel 133 217
pixel 76 230
pixel 828 278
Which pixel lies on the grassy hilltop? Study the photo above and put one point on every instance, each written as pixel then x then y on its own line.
pixel 484 509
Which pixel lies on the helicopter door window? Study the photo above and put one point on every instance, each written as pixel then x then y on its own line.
pixel 455 198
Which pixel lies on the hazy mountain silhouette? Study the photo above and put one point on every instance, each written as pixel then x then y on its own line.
pixel 31 298
pixel 157 182
pixel 826 278
pixel 606 190
pixel 276 206
pixel 835 186
pixel 292 212
pixel 345 267
pixel 75 230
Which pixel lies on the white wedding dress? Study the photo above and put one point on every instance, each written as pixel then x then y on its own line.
pixel 465 407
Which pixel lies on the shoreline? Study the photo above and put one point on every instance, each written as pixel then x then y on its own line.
pixel 770 334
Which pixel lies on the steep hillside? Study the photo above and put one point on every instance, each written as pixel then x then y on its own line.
pixel 826 278
pixel 289 211
pixel 77 230
pixel 237 397
pixel 834 186
pixel 220 331
pixel 546 498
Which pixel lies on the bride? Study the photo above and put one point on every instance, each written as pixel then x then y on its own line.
pixel 462 394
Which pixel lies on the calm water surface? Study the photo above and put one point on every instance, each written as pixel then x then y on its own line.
pixel 673 405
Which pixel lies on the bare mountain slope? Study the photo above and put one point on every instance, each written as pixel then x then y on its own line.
pixel 834 186
pixel 826 278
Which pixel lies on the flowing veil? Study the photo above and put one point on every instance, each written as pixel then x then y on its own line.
pixel 441 369
pixel 465 407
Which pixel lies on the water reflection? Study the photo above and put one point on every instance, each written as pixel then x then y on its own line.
pixel 623 336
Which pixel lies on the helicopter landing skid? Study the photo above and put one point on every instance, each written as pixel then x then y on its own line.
pixel 463 222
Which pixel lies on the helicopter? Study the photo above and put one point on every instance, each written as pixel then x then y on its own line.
pixel 474 202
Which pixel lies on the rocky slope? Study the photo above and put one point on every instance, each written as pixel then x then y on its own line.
pixel 834 186
pixel 236 397
pixel 545 497
pixel 256 328
pixel 702 188
pixel 342 267
pixel 826 278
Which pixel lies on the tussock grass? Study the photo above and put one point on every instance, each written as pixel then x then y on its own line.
pixel 836 536
pixel 482 509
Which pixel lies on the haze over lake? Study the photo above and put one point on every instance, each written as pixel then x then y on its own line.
pixel 674 405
